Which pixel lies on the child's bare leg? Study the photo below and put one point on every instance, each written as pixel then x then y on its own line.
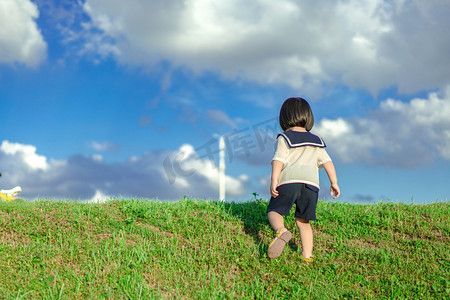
pixel 306 236
pixel 283 236
pixel 276 220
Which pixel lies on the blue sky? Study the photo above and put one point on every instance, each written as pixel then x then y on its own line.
pixel 127 98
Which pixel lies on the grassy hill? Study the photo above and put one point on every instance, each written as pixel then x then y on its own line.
pixel 202 249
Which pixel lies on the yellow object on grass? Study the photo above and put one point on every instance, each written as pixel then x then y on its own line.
pixel 8 195
pixel 6 198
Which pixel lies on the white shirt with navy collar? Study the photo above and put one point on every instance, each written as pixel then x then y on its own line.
pixel 302 154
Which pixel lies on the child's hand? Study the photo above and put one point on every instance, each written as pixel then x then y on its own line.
pixel 335 191
pixel 273 190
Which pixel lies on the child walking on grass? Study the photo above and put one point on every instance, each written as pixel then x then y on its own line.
pixel 295 176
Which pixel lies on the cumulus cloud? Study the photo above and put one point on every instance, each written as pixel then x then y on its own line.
pixel 20 38
pixel 27 154
pixel 365 44
pixel 166 175
pixel 402 134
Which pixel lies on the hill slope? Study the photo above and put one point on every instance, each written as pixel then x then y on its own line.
pixel 201 249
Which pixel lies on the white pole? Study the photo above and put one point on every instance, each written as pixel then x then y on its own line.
pixel 222 169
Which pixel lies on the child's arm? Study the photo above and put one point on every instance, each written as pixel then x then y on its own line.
pixel 331 172
pixel 276 170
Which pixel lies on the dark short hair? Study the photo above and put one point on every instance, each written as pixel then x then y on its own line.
pixel 296 111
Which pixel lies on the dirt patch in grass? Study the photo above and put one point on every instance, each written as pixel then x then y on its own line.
pixel 4 217
pixel 363 244
pixel 13 238
pixel 159 231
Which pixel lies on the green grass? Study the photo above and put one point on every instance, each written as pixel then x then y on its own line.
pixel 134 249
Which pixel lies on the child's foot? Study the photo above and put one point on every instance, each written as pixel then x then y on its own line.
pixel 277 245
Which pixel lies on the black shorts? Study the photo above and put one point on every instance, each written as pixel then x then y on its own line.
pixel 304 196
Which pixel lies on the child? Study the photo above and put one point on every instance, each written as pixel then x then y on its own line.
pixel 295 176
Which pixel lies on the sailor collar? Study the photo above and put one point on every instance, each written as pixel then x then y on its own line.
pixel 297 139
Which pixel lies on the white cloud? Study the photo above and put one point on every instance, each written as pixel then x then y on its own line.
pixel 103 146
pixel 99 197
pixel 365 44
pixel 186 163
pixel 20 38
pixel 26 153
pixel 219 117
pixel 166 175
pixel 403 134
pixel 97 157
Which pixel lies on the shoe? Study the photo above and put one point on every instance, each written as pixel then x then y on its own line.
pixel 307 260
pixel 277 245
